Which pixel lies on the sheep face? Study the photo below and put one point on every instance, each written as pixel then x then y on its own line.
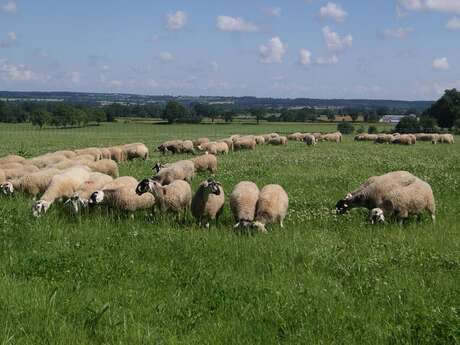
pixel 40 208
pixel 242 224
pixel 144 186
pixel 259 226
pixel 157 167
pixel 212 187
pixel 77 203
pixel 7 188
pixel 96 198
pixel 343 206
pixel 376 216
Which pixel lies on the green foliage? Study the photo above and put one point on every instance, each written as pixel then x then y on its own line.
pixel 446 110
pixel 408 124
pixel 372 130
pixel 428 124
pixel 345 128
pixel 176 112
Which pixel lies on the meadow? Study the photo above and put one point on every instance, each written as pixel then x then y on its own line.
pixel 323 279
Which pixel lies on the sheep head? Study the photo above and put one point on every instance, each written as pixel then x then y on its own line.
pixel 376 215
pixel 259 226
pixel 343 205
pixel 157 167
pixel 76 202
pixel 96 198
pixel 7 188
pixel 144 186
pixel 211 186
pixel 40 208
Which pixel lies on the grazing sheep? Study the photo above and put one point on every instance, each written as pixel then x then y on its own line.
pixel 241 144
pixel 200 141
pixel 180 170
pixel 295 136
pixel 117 154
pixel 186 146
pixel 260 140
pixel 62 186
pixel 121 195
pixel 173 146
pixel 208 202
pixel 68 154
pixel 45 160
pixel 12 159
pixel 30 184
pixel 279 140
pixel 445 139
pixel 95 182
pixel 210 147
pixel 317 136
pixel 229 143
pixel 174 197
pixel 135 150
pixel 404 139
pixel 384 139
pixel 413 199
pixel 372 192
pixel 309 139
pixel 11 174
pixel 234 137
pixel 243 201
pixel 332 137
pixel 272 207
pixel 207 162
pixel 2 176
pixel 106 154
pixel 105 166
pixel 93 151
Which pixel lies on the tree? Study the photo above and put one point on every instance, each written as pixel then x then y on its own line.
pixel 446 110
pixel 408 124
pixel 174 111
pixel 330 116
pixel 354 116
pixel 345 128
pixel 40 117
pixel 428 124
pixel 258 113
pixel 228 116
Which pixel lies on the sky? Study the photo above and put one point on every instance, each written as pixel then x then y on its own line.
pixel 375 49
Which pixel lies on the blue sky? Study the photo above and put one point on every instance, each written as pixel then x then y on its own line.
pixel 393 49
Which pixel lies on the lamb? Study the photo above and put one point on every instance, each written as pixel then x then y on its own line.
pixel 135 150
pixel 105 166
pixel 62 186
pixel 175 197
pixel 243 201
pixel 80 198
pixel 309 140
pixel 200 141
pixel 279 140
pixel 208 202
pixel 19 172
pixel 180 170
pixel 121 195
pixel 207 162
pixel 93 151
pixel 30 184
pixel 12 159
pixel 272 207
pixel 249 144
pixel 413 199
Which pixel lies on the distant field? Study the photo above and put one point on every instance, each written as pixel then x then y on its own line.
pixel 107 279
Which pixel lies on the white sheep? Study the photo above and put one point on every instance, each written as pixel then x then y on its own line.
pixel 309 139
pixel 12 159
pixel 45 160
pixel 208 202
pixel 136 150
pixel 93 151
pixel 207 162
pixel 11 174
pixel 2 176
pixel 243 201
pixel 272 207
pixel 180 170
pixel 62 186
pixel 30 184
pixel 105 166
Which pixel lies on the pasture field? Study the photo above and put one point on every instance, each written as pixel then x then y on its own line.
pixel 108 279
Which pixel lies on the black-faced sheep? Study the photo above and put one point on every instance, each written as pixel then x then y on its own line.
pixel 208 202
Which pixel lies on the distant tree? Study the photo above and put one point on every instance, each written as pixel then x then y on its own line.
pixel 354 116
pixel 40 117
pixel 427 124
pixel 446 110
pixel 228 116
pixel 408 124
pixel 174 111
pixel 330 116
pixel 372 130
pixel 345 128
pixel 258 113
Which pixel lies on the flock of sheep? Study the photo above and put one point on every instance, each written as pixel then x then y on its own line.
pixel 83 179
pixel 406 139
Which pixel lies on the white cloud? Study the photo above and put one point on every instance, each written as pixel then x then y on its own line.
pixel 214 66
pixel 10 7
pixel 333 11
pixel 11 39
pixel 449 6
pixel 116 84
pixel 273 51
pixel 152 83
pixel 13 72
pixel 235 24
pixel 12 36
pixel 166 57
pixel 441 64
pixel 176 21
pixel 334 41
pixel 333 60
pixel 453 24
pixel 272 11
pixel 305 57
pixel 75 77
pixel 398 33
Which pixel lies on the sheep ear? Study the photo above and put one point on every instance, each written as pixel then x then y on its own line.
pixel 348 196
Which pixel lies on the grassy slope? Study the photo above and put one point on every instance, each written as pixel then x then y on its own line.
pixel 323 280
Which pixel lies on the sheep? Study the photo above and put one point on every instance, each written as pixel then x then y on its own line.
pixel 7 166
pixel 45 160
pixel 117 154
pixel 62 186
pixel 173 146
pixel 446 139
pixel 229 143
pixel 174 197
pixel 260 140
pixel 279 140
pixel 30 184
pixel 317 136
pixel 295 136
pixel 186 146
pixel 405 139
pixel 68 154
pixel 309 140
pixel 105 166
pixel 210 147
pixel 222 148
pixel 208 202
pixel 384 139
pixel 207 162
pixel 234 137
pixel 106 153
pixel 243 201
pixel 19 172
pixel 332 137
pixel 372 192
pixel 426 136
pixel 12 159
pixel 135 150
pixel 271 207
pixel 121 195
pixel 93 151
pixel 406 201
pixel 200 141
pixel 2 176
pixel 80 198
pixel 180 170
pixel 249 144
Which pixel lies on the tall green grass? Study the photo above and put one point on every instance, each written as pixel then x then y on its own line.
pixel 106 278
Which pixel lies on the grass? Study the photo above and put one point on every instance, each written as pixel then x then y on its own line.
pixel 106 279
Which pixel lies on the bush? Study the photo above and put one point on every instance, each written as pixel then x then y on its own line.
pixel 408 124
pixel 345 128
pixel 428 124
pixel 360 130
pixel 372 130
